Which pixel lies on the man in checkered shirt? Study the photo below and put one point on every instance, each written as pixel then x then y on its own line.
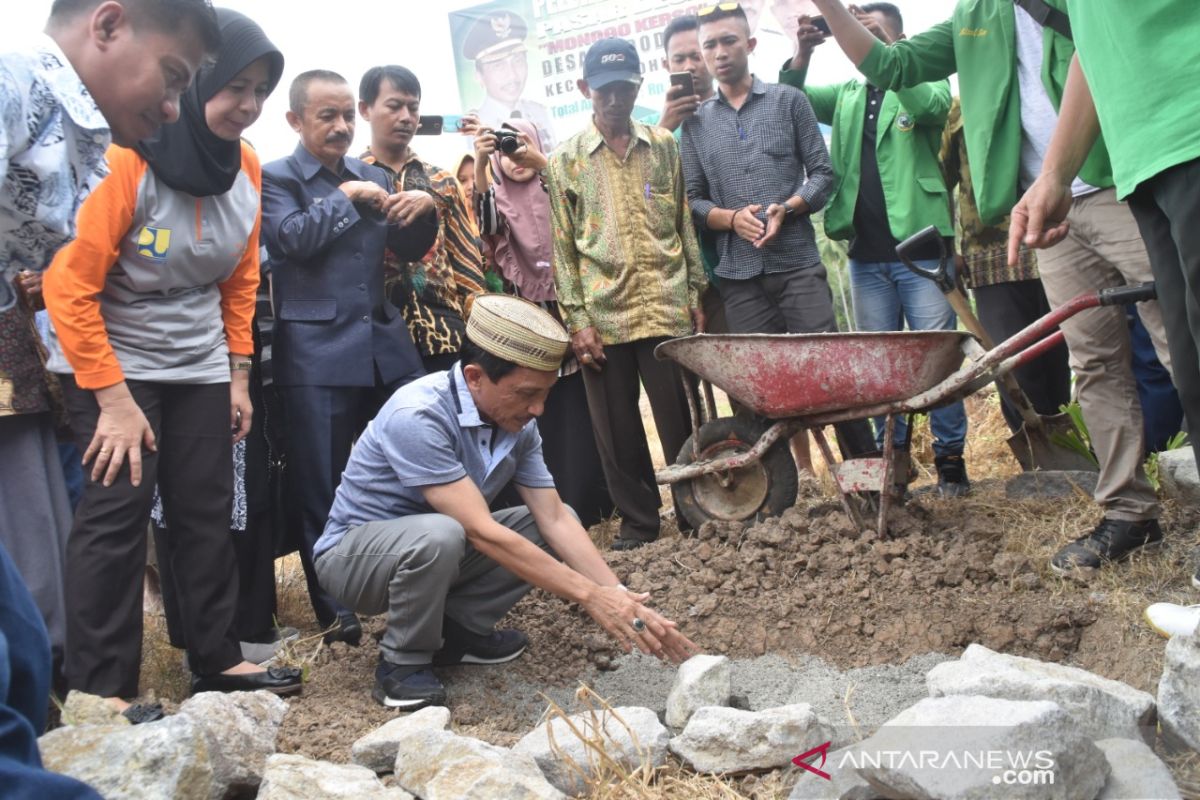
pixel 756 167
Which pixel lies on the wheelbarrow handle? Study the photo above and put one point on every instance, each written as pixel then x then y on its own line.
pixel 941 276
pixel 1125 295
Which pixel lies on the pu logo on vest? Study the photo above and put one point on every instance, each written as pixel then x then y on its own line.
pixel 905 123
pixel 154 242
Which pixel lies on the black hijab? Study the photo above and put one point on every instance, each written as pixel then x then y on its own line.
pixel 186 155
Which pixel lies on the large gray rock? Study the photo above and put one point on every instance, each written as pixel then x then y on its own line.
pixel 631 736
pixel 377 750
pixel 292 777
pixel 1178 476
pixel 1051 483
pixel 719 739
pixel 1179 692
pixel 960 748
pixel 1103 708
pixel 701 681
pixel 168 758
pixel 241 728
pixel 844 782
pixel 441 765
pixel 81 708
pixel 1135 772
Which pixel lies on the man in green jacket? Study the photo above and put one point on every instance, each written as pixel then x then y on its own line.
pixel 1011 72
pixel 887 186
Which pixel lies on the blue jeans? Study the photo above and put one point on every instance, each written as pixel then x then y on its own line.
pixel 886 295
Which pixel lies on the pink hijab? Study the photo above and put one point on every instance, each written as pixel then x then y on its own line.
pixel 524 253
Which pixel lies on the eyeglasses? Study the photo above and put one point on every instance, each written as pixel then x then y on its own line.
pixel 725 7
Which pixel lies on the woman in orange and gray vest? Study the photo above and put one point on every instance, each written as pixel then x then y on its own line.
pixel 152 304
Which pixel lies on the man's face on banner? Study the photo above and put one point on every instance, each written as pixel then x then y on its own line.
pixel 503 75
pixel 787 12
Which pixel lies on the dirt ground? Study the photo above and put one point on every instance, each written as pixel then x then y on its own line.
pixel 951 573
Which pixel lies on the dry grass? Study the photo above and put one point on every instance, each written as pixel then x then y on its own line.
pixel 606 778
pixel 1032 529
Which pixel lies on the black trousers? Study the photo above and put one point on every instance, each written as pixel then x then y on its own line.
pixel 569 449
pixel 612 396
pixel 1167 209
pixel 321 424
pixel 1003 310
pixel 796 301
pixel 254 618
pixel 106 554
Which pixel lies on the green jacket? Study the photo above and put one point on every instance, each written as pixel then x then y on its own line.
pixel 907 140
pixel 979 43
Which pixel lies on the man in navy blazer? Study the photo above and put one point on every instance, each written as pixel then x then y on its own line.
pixel 340 348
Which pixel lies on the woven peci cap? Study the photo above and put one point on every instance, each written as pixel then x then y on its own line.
pixel 518 331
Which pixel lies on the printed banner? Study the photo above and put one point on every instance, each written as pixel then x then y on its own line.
pixel 522 57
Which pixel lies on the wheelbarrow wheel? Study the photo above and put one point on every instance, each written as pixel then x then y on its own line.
pixel 753 492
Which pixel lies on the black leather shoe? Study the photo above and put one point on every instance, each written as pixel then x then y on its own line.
pixel 1111 540
pixel 347 629
pixel 280 680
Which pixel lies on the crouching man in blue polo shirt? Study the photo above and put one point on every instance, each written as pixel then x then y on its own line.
pixel 410 532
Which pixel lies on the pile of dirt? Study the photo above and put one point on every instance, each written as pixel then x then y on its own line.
pixel 805 584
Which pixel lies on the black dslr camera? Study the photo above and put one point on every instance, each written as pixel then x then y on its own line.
pixel 507 142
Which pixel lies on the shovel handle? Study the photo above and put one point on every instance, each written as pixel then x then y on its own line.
pixel 941 275
pixel 945 281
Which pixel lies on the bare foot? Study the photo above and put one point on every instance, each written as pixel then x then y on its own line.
pixel 118 704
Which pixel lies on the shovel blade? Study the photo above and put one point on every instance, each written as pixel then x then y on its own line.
pixel 1034 448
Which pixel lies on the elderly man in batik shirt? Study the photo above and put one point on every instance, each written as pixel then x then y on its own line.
pixel 628 272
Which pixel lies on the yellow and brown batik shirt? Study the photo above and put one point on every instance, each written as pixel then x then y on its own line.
pixel 625 254
pixel 434 293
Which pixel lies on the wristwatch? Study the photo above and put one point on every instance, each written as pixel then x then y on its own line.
pixel 788 211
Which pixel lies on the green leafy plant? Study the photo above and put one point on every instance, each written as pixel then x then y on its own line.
pixel 1077 439
pixel 1152 473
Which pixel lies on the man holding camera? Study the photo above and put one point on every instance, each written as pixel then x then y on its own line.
pixel 434 290
pixel 340 347
pixel 628 275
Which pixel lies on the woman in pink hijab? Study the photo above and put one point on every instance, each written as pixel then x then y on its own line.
pixel 513 212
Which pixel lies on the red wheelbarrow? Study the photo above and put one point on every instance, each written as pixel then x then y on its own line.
pixel 740 468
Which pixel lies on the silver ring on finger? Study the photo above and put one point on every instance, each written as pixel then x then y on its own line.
pixel 638 625
pixel 586 357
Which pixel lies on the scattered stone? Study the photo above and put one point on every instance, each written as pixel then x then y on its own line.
pixel 945 747
pixel 1050 483
pixel 377 750
pixel 442 765
pixel 168 758
pixel 292 777
pixel 632 736
pixel 1135 771
pixel 719 739
pixel 241 728
pixel 843 784
pixel 1179 692
pixel 81 708
pixel 1103 708
pixel 701 681
pixel 1178 476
